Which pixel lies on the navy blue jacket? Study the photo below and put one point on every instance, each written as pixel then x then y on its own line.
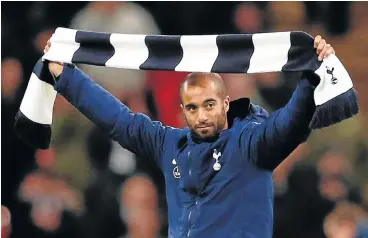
pixel 235 201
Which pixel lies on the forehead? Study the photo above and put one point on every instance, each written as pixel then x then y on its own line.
pixel 199 93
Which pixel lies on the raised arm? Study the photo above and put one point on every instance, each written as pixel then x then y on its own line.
pixel 272 140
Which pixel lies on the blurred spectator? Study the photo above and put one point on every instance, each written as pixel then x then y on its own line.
pixel 41 38
pixel 336 137
pixel 11 78
pixel 334 163
pixel 113 167
pixel 300 211
pixel 252 17
pixel 347 220
pixel 333 189
pixel 46 158
pixel 53 204
pixel 335 16
pixel 48 204
pixel 337 182
pixel 139 207
pixel 311 193
pixel 5 222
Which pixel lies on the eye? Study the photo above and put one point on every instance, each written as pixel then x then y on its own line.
pixel 191 108
pixel 210 105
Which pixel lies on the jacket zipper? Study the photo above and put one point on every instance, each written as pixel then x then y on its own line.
pixel 189 216
pixel 190 212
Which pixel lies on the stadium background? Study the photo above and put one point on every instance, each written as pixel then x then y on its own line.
pixel 85 185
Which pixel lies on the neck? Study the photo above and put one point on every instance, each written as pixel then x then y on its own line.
pixel 226 125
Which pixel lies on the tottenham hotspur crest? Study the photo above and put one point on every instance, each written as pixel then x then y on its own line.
pixel 330 71
pixel 216 156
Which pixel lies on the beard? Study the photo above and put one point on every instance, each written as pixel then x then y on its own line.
pixel 211 130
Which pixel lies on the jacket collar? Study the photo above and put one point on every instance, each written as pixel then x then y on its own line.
pixel 238 109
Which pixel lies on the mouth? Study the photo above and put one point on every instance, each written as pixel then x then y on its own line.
pixel 203 127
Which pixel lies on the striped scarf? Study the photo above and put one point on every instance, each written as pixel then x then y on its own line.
pixel 334 96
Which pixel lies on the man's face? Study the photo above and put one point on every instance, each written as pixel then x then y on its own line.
pixel 204 110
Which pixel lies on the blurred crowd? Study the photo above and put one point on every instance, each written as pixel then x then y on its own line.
pixel 86 185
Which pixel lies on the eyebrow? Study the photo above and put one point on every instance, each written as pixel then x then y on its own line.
pixel 209 100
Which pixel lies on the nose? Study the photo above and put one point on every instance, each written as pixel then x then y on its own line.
pixel 202 117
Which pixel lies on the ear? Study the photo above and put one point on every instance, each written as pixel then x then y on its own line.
pixel 182 107
pixel 183 111
pixel 227 103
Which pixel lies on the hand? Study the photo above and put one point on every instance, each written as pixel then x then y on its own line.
pixel 56 68
pixel 323 49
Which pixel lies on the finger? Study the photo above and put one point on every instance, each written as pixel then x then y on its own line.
pixel 321 45
pixel 317 39
pixel 322 55
pixel 329 52
pixel 333 50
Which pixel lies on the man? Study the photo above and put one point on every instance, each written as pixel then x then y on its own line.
pixel 218 171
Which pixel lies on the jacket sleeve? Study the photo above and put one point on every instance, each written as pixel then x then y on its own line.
pixel 135 132
pixel 269 142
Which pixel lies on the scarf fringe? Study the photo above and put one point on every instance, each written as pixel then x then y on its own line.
pixel 34 134
pixel 336 110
